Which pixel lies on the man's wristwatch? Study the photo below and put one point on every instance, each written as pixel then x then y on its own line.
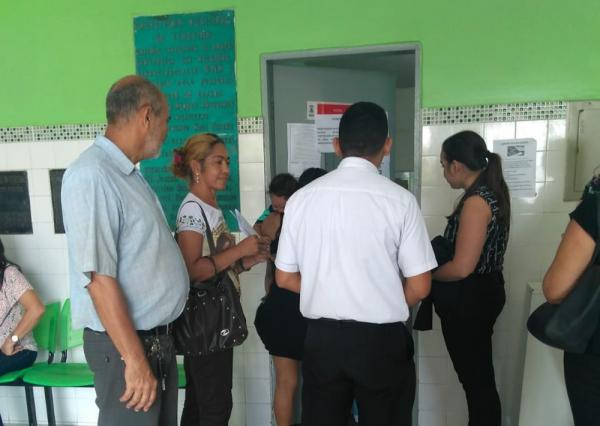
pixel 14 338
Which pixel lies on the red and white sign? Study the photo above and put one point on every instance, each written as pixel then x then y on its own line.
pixel 327 123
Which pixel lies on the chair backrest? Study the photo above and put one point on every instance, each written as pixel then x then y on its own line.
pixel 67 337
pixel 45 330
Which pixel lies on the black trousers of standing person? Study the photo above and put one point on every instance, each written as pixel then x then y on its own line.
pixel 346 360
pixel 208 389
pixel 468 310
pixel 582 377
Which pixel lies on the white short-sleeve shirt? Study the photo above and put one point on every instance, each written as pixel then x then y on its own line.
pixel 189 218
pixel 353 234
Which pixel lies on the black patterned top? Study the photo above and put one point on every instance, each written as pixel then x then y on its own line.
pixel 492 256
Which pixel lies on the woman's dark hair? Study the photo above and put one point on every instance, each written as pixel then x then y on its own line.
pixel 469 148
pixel 309 175
pixel 4 263
pixel 283 185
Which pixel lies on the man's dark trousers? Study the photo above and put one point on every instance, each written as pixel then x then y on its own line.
pixel 346 360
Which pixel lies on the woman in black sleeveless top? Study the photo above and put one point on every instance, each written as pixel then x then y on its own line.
pixel 468 291
pixel 582 371
pixel 278 321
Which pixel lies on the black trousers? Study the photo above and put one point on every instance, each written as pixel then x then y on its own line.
pixel 372 363
pixel 467 317
pixel 582 377
pixel 208 389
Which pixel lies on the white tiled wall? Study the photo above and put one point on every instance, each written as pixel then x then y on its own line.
pixel 43 257
pixel 536 225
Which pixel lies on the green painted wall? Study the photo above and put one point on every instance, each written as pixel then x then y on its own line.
pixel 59 57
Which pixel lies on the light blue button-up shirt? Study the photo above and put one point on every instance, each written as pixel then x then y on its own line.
pixel 115 226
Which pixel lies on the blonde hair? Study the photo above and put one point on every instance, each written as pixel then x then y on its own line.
pixel 197 147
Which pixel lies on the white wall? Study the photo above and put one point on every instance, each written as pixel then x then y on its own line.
pixel 43 257
pixel 535 231
pixel 536 225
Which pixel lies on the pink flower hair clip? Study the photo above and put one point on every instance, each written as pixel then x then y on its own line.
pixel 177 158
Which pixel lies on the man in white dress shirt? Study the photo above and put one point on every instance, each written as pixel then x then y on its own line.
pixel 355 246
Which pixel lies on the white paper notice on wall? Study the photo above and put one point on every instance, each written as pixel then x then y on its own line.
pixel 302 148
pixel 518 164
pixel 327 123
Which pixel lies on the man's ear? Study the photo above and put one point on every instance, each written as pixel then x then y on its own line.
pixel 143 115
pixel 387 146
pixel 336 147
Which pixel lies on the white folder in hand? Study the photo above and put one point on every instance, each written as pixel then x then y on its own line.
pixel 245 227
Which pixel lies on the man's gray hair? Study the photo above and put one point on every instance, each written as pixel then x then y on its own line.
pixel 128 94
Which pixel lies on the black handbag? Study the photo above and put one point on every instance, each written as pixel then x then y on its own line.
pixel 443 250
pixel 571 324
pixel 213 319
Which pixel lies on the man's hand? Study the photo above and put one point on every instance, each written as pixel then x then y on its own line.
pixel 140 385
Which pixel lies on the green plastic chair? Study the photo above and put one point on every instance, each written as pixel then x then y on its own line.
pixel 45 337
pixel 63 374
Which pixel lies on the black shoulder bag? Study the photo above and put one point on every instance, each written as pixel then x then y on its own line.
pixel 571 324
pixel 213 319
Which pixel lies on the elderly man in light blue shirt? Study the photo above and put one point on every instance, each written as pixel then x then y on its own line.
pixel 127 276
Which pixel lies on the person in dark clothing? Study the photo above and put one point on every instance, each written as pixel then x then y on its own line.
pixel 582 371
pixel 279 323
pixel 468 291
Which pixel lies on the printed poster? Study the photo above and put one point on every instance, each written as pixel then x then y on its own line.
pixel 518 164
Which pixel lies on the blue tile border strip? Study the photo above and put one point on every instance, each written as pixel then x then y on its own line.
pixel 495 113
pixel 429 116
pixel 65 132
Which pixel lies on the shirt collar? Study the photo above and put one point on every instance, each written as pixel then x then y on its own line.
pixel 358 163
pixel 123 163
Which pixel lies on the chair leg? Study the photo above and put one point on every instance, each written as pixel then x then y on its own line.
pixel 49 406
pixel 31 416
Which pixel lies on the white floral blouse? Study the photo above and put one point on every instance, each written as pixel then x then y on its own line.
pixel 14 286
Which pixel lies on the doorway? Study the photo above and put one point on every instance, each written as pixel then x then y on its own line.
pixel 388 75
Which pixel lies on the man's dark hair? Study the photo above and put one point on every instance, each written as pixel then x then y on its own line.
pixel 363 130
pixel 283 185
pixel 129 94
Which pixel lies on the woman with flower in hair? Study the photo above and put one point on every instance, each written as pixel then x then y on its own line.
pixel 575 252
pixel 204 163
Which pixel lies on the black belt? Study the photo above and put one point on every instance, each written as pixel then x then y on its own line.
pixel 352 323
pixel 161 330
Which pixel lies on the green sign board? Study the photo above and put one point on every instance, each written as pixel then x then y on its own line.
pixel 191 57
